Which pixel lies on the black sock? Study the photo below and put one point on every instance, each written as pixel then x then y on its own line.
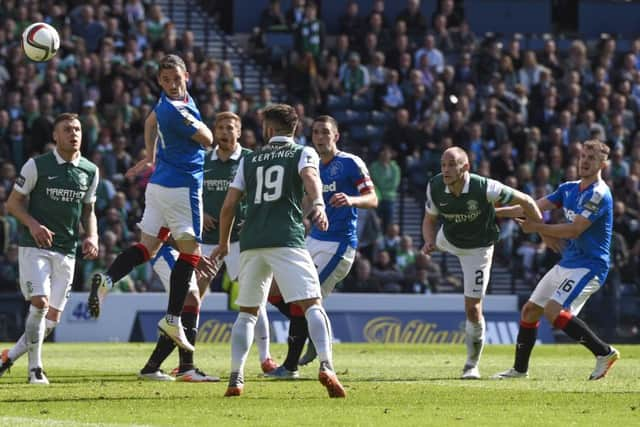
pixel 163 349
pixel 298 334
pixel 524 345
pixel 579 331
pixel 128 259
pixel 190 326
pixel 180 277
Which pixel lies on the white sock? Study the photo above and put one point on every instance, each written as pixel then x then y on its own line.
pixel 262 334
pixel 475 341
pixel 34 335
pixel 20 346
pixel 241 339
pixel 320 332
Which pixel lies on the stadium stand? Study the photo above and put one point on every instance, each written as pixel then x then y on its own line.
pixel 493 71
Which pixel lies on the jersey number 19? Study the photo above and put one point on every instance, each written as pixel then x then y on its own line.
pixel 268 183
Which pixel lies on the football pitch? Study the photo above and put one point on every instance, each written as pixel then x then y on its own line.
pixel 395 385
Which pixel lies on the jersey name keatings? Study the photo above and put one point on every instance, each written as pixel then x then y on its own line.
pixel 270 179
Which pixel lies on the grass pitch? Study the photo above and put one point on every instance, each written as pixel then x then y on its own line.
pixel 396 385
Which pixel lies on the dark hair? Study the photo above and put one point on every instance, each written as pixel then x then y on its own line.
pixel 171 61
pixel 64 117
pixel 282 117
pixel 326 119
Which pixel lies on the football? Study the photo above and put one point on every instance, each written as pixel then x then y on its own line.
pixel 40 42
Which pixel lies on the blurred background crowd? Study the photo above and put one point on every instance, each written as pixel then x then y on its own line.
pixel 403 89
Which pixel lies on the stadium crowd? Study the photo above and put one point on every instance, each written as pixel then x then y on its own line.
pixel 418 83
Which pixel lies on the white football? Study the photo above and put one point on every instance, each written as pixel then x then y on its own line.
pixel 40 42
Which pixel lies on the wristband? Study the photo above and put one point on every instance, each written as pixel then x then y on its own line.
pixel 318 202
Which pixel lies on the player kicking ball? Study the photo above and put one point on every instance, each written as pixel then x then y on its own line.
pixel 583 268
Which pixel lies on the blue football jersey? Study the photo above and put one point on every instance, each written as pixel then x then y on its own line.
pixel 591 248
pixel 179 159
pixel 345 173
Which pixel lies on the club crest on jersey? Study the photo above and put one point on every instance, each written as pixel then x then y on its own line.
pixel 334 169
pixel 82 179
pixel 233 171
pixel 472 205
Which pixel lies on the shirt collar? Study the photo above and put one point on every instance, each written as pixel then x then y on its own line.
pixel 280 139
pixel 234 156
pixel 60 160
pixel 465 187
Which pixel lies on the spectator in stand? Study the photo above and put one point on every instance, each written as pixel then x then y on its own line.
pixel 354 77
pixel 416 22
pixel 369 231
pixel 376 26
pixel 9 270
pixel 385 272
pixel 351 23
pixel 310 34
pixel 359 279
pixel 436 59
pixel 444 40
pixel 423 276
pixel 272 18
pixel 406 253
pixel 447 8
pixel 296 14
pixel 400 135
pixel 504 163
pixel 378 8
pixel 385 174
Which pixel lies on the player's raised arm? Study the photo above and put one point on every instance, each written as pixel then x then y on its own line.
pixel 150 139
pixel 203 135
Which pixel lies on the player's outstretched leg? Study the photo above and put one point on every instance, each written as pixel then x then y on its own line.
pixel 9 356
pixel 241 338
pixel 121 266
pixel 320 333
pixel 262 339
pixel 606 355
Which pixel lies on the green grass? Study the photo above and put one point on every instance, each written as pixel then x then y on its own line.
pixel 399 385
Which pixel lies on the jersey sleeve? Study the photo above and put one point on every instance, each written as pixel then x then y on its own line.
pixel 557 196
pixel 429 206
pixel 181 120
pixel 90 196
pixel 238 180
pixel 308 159
pixel 596 205
pixel 498 192
pixel 26 181
pixel 361 178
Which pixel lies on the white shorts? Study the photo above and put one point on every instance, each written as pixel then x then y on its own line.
pixel 475 263
pixel 292 268
pixel 333 260
pixel 163 263
pixel 570 287
pixel 44 272
pixel 178 209
pixel 231 261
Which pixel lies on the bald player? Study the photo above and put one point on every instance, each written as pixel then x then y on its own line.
pixel 463 202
